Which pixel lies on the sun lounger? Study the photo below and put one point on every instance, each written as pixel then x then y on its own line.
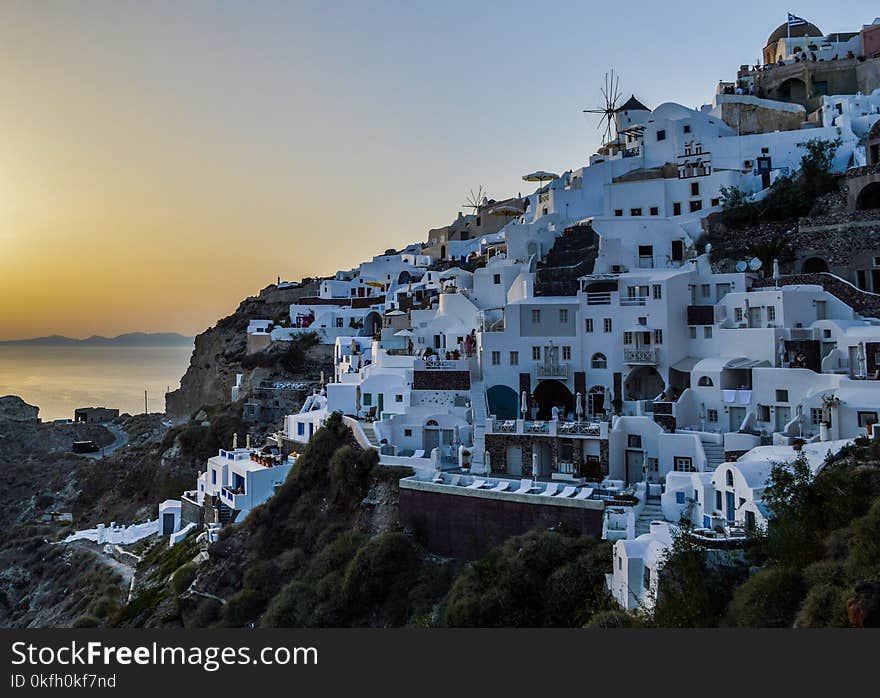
pixel 550 490
pixel 476 484
pixel 419 454
pixel 455 480
pixel 524 487
pixel 438 476
pixel 501 486
pixel 567 492
pixel 585 493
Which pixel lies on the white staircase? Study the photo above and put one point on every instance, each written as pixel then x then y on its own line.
pixel 714 454
pixel 650 512
pixel 480 413
pixel 370 433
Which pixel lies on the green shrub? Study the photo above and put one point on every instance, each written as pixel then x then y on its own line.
pixel 184 577
pixel 244 608
pixel 769 599
pixel 611 619
pixel 85 622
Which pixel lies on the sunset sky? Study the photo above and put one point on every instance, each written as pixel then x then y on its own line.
pixel 161 161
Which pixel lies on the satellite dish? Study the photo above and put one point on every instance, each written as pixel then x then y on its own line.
pixel 741 266
pixel 755 264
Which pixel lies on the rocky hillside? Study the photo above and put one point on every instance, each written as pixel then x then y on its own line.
pixel 220 350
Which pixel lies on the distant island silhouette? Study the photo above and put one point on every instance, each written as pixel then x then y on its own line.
pixel 131 339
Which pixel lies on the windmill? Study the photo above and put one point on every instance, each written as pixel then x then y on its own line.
pixel 611 95
pixel 475 199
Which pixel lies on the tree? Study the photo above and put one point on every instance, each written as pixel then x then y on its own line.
pixel 816 166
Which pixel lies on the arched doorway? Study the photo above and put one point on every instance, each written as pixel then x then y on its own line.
pixel 815 265
pixel 643 383
pixel 793 90
pixel 503 402
pixel 550 393
pixel 372 325
pixel 442 251
pixel 596 401
pixel 869 197
pixel 404 278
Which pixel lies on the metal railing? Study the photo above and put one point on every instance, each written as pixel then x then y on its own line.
pixel 553 370
pixel 599 298
pixel 633 300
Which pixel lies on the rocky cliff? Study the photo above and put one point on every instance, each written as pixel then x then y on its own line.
pixel 220 350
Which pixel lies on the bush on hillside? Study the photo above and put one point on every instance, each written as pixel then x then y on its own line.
pixel 768 599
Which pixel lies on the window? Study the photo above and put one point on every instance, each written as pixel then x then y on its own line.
pixel 738 314
pixel 712 415
pixel 646 577
pixel 686 128
pixel 566 353
pixel 606 324
pixel 705 382
pixel 368 399
pixel 339 322
pixel 588 324
pixel 536 353
pixel 536 315
pixel 635 212
pixel 781 396
pixel 695 188
pixel 815 416
pixel 496 358
pixel 214 475
pixel 706 290
pixel 771 313
pixel 407 432
pixel 514 358
pixel 866 418
pixel 398 398
pixel 763 413
pixel 718 500
pixel 496 279
pixel 658 336
pixel 661 135
pixel 676 208
pixel 563 316
pixel 657 291
pixel 300 429
pixel 655 211
pixel 627 337
pixel 682 464
pixel 729 478
pixel 679 498
pixel 634 440
pixel 618 212
pixel 707 332
pixel 696 206
pixel 716 202
pixel 599 361
pixel 692 332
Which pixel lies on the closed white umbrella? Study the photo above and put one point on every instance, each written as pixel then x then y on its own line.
pixel 524 407
pixel 535 464
pixel 579 406
pixel 606 403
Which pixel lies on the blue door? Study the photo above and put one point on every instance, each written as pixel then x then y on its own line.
pixel 731 507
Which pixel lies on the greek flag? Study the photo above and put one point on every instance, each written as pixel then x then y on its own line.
pixel 795 21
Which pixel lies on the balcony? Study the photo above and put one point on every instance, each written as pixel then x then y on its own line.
pixel 633 301
pixel 557 371
pixel 599 298
pixel 640 356
pixel 583 429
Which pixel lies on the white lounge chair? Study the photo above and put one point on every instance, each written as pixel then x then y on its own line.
pixel 567 491
pixel 455 480
pixel 524 487
pixel 585 493
pixel 419 454
pixel 550 490
pixel 501 486
pixel 438 476
pixel 476 484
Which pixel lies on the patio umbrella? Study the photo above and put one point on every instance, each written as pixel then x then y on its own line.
pixel 487 463
pixel 579 406
pixel 506 210
pixel 404 333
pixel 863 367
pixel 780 349
pixel 524 407
pixel 535 465
pixel 776 270
pixel 540 176
pixel 606 402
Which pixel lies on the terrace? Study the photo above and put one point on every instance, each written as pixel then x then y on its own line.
pixel 596 429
